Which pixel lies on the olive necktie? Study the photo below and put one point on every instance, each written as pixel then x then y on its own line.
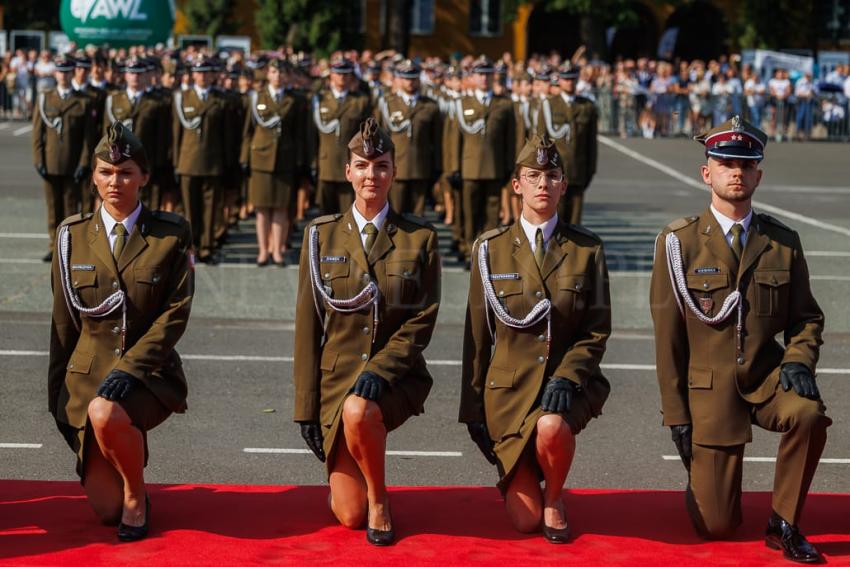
pixel 737 246
pixel 371 233
pixel 119 230
pixel 539 248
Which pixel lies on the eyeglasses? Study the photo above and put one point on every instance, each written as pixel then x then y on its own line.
pixel 533 176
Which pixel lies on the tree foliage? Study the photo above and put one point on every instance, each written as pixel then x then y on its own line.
pixel 23 15
pixel 322 26
pixel 210 17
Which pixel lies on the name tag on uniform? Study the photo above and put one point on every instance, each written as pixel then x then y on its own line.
pixel 261 107
pixel 396 115
pixel 83 267
pixel 323 109
pixel 334 259
pixel 469 112
pixel 189 109
pixel 495 277
pixel 707 271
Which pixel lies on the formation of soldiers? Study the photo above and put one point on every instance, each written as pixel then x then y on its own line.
pixel 211 128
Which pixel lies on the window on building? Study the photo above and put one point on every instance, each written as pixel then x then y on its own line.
pixel 422 17
pixel 485 17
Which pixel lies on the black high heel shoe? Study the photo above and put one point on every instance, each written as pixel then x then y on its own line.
pixel 557 535
pixel 378 537
pixel 135 533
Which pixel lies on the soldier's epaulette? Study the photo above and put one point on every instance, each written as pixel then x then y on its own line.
pixel 585 231
pixel 493 233
pixel 74 219
pixel 169 217
pixel 326 219
pixel 681 223
pixel 772 220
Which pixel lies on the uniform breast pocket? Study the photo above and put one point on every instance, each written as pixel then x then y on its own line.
pixel 572 292
pixel 509 294
pixel 403 283
pixel 334 277
pixel 772 290
pixel 708 291
pixel 85 284
pixel 149 286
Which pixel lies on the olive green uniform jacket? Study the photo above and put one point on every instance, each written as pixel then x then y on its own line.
pixel 280 148
pixel 578 146
pixel 491 153
pixel 331 152
pixel 332 350
pixel 61 150
pixel 418 148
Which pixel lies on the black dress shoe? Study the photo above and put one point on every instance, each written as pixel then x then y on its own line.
pixel 380 537
pixel 263 263
pixel 47 257
pixel 556 535
pixel 787 537
pixel 135 533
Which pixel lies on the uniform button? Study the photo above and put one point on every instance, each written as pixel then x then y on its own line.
pixel 70 365
pixel 155 278
pixel 327 275
pixel 116 330
pixel 117 352
pixel 114 285
pixel 502 293
pixel 492 383
pixel 364 357
pixel 538 294
pixel 740 360
pixel 366 330
pixel 76 282
pixel 541 338
pixel 406 273
pixel 578 287
pixel 365 277
pixel 541 359
pixel 705 285
pixel 773 280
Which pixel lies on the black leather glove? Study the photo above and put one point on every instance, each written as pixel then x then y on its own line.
pixel 479 434
pixel 117 386
pixel 798 376
pixel 312 434
pixel 41 170
pixel 81 173
pixel 558 395
pixel 455 180
pixel 370 386
pixel 245 169
pixel 682 438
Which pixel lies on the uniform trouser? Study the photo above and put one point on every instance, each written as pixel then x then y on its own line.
pixel 408 196
pixel 481 204
pixel 335 196
pixel 63 200
pixel 715 499
pixel 457 226
pixel 570 205
pixel 200 200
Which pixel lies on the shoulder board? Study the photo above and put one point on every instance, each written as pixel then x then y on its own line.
pixel 586 232
pixel 417 220
pixel 326 219
pixel 493 233
pixel 74 219
pixel 772 220
pixel 679 224
pixel 169 217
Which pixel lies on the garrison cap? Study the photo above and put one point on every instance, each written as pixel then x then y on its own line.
pixel 120 144
pixel 539 152
pixel 371 141
pixel 482 65
pixel 342 66
pixel 734 139
pixel 568 70
pixel 64 64
pixel 135 65
pixel 407 69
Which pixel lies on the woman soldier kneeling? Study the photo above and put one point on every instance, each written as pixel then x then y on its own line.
pixel 537 322
pixel 368 293
pixel 122 291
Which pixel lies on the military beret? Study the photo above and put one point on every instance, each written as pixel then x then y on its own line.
pixel 407 69
pixel 482 65
pixel 135 65
pixel 539 152
pixel 734 139
pixel 568 70
pixel 120 144
pixel 371 141
pixel 64 64
pixel 342 66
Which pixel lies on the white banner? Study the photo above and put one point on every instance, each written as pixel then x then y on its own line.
pixel 768 61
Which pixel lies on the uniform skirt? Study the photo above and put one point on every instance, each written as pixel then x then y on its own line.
pixel 145 411
pixel 510 450
pixel 273 190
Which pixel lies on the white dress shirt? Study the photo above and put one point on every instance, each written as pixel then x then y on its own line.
pixel 377 220
pixel 484 97
pixel 109 223
pixel 202 93
pixel 530 230
pixel 726 225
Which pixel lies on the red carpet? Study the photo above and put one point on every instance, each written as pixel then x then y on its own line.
pixel 50 523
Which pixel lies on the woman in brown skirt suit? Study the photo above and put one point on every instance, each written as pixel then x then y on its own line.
pixel 273 150
pixel 537 322
pixel 122 291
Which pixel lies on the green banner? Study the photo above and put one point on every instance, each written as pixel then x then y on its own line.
pixel 120 23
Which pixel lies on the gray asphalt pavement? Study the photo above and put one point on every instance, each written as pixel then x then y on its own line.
pixel 239 344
